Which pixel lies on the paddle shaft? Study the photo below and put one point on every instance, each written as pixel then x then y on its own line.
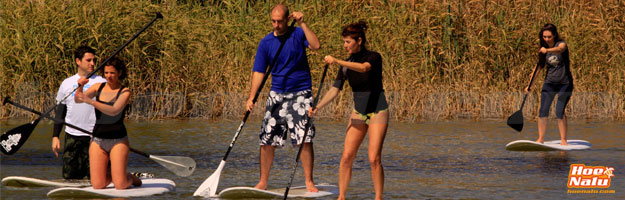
pixel 158 16
pixel 209 186
pixel 24 134
pixel 299 152
pixel 160 159
pixel 260 88
pixel 529 85
pixel 6 100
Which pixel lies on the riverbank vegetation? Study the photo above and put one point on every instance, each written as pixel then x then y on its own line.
pixel 441 59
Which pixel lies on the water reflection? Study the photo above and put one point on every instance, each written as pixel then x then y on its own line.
pixel 428 160
pixel 554 162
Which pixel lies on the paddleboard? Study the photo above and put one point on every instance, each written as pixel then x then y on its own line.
pixel 554 145
pixel 294 192
pixel 150 186
pixel 21 181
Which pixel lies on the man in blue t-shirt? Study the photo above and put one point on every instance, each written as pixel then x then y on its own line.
pixel 290 96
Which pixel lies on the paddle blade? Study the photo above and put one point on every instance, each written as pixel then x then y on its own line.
pixel 209 186
pixel 12 140
pixel 181 166
pixel 515 121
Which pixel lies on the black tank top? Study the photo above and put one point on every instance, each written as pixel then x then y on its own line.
pixel 106 126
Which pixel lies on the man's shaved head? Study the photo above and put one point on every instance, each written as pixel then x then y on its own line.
pixel 280 9
pixel 279 19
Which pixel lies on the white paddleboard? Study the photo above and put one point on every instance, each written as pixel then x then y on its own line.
pixel 20 181
pixel 294 192
pixel 554 145
pixel 150 186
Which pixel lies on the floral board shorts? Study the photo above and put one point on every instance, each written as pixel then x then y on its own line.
pixel 286 113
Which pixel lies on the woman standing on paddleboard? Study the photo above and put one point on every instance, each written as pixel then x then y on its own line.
pixel 110 140
pixel 363 70
pixel 558 80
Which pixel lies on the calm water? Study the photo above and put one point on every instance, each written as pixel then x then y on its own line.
pixel 431 160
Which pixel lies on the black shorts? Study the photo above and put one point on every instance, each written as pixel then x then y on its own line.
pixel 76 157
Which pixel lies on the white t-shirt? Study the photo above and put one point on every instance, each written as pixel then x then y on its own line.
pixel 78 114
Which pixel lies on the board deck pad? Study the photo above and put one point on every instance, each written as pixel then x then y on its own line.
pixel 150 186
pixel 294 192
pixel 554 145
pixel 21 181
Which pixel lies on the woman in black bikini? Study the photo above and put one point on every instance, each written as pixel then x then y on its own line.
pixel 109 141
pixel 363 70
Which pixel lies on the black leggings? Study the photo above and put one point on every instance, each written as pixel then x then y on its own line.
pixel 547 95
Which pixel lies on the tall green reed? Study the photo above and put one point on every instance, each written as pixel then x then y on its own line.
pixel 441 59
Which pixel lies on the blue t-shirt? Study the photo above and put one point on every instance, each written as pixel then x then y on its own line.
pixel 291 72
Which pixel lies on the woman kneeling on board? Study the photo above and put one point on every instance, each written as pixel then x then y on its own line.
pixel 363 70
pixel 558 80
pixel 110 140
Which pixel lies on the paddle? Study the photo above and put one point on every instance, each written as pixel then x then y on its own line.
pixel 181 166
pixel 209 186
pixel 13 139
pixel 515 120
pixel 299 152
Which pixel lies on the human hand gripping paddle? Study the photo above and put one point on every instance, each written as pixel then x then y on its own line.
pixel 209 186
pixel 179 165
pixel 299 152
pixel 515 120
pixel 13 139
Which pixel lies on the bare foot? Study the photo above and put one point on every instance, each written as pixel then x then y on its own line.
pixel 540 141
pixel 136 181
pixel 563 142
pixel 310 186
pixel 261 186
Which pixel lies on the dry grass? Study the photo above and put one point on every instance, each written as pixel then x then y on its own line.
pixel 442 59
